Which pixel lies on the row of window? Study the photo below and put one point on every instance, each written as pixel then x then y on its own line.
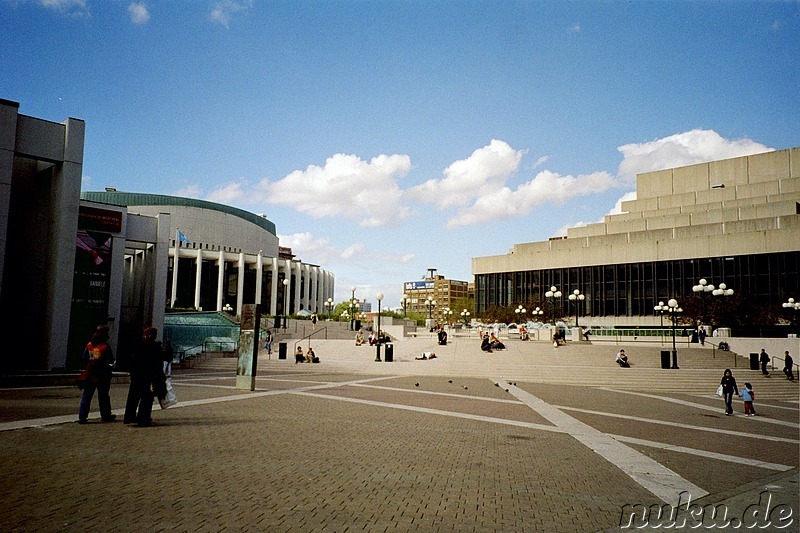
pixel 633 289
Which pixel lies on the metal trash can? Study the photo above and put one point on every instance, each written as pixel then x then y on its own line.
pixel 389 354
pixel 753 361
pixel 281 350
pixel 664 358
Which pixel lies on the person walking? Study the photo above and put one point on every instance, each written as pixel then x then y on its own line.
pixel 788 366
pixel 764 359
pixel 147 379
pixel 98 359
pixel 268 342
pixel 729 388
pixel 748 396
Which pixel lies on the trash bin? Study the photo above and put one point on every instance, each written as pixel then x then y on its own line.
pixel 753 361
pixel 356 325
pixel 281 350
pixel 389 354
pixel 664 358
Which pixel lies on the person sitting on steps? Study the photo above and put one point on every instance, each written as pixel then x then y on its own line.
pixel 622 359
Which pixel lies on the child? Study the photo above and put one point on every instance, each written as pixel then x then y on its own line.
pixel 748 396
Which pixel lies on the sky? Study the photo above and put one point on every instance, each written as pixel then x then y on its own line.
pixel 384 138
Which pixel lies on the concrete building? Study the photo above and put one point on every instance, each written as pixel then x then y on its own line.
pixel 734 221
pixel 445 292
pixel 67 265
pixel 222 257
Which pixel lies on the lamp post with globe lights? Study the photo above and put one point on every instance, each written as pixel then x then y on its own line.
pixel 674 310
pixel 576 298
pixel 404 301
pixel 660 309
pixel 702 288
pixel 465 317
pixel 520 312
pixel 329 305
pixel 285 303
pixel 553 294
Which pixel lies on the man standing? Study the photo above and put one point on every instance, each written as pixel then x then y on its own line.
pixel 764 359
pixel 788 365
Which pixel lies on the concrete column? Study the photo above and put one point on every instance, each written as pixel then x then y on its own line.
pixel 240 284
pixel 175 256
pixel 306 295
pixel 220 279
pixel 8 135
pixel 65 190
pixel 313 296
pixel 199 271
pixel 298 269
pixel 160 272
pixel 273 303
pixel 259 276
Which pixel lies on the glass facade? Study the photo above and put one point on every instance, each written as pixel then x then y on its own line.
pixel 632 289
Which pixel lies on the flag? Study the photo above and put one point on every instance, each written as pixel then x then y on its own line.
pixel 182 238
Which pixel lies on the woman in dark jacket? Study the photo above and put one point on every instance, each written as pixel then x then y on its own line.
pixel 729 388
pixel 147 379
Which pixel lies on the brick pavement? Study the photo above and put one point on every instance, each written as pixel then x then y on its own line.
pixel 350 445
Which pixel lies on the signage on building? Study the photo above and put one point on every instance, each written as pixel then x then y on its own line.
pixel 94 219
pixel 418 285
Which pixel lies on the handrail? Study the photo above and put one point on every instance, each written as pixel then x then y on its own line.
pixel 772 362
pixel 320 330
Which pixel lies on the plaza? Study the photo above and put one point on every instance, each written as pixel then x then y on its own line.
pixel 531 438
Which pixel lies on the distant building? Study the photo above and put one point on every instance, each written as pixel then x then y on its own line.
pixel 445 292
pixel 734 221
pixel 222 257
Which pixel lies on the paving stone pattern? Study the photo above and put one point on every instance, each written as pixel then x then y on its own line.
pixel 353 445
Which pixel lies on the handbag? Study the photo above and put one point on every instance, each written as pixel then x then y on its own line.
pixel 719 390
pixel 82 378
pixel 169 398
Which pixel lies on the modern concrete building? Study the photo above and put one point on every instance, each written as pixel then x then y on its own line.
pixel 734 221
pixel 67 265
pixel 444 292
pixel 222 257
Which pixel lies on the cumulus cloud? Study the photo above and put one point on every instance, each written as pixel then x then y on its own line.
pixel 224 11
pixel 189 191
pixel 139 12
pixel 227 194
pixel 346 187
pixel 688 148
pixel 545 188
pixel 320 250
pixel 467 179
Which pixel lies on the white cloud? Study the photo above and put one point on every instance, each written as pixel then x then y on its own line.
pixel 223 11
pixel 346 187
pixel 189 191
pixel 467 179
pixel 70 7
pixel 575 28
pixel 227 194
pixel 320 251
pixel 139 13
pixel 545 188
pixel 688 148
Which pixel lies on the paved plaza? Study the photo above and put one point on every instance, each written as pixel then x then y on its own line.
pixel 531 438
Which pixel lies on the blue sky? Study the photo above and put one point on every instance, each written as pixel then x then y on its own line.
pixel 384 138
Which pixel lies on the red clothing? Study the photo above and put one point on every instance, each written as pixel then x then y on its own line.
pixel 99 359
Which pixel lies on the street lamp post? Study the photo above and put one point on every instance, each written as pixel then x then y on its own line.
pixel 430 303
pixel 553 294
pixel 446 314
pixel 285 302
pixel 404 301
pixel 379 296
pixel 576 297
pixel 520 312
pixel 465 318
pixel 674 310
pixel 661 309
pixel 352 306
pixel 537 311
pixel 329 306
pixel 700 289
